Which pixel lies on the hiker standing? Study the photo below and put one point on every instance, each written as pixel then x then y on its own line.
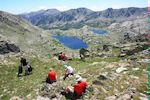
pixel 24 65
pixel 68 71
pixel 51 77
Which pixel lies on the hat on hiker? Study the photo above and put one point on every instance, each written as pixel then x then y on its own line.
pixel 78 78
pixel 65 66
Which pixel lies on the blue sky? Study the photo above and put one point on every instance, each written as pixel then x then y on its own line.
pixel 23 6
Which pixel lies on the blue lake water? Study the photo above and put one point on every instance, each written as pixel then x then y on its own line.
pixel 71 42
pixel 99 31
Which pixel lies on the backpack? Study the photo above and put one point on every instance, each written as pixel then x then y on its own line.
pixel 30 68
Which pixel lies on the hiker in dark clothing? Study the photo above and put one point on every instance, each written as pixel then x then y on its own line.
pixel 27 68
pixel 23 62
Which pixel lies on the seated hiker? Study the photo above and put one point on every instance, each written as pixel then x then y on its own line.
pixel 77 90
pixel 62 56
pixel 51 78
pixel 68 71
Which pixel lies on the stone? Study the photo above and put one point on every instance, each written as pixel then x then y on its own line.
pixel 29 95
pixel 16 98
pixel 103 89
pixel 135 69
pixel 42 98
pixel 84 53
pixel 122 55
pixel 125 97
pixel 96 82
pixel 143 98
pixel 134 77
pixel 120 69
pixel 111 65
pixel 102 77
pixel 94 63
pixel 110 98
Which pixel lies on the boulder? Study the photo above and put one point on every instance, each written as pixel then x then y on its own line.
pixel 105 47
pixel 6 47
pixel 50 91
pixel 84 53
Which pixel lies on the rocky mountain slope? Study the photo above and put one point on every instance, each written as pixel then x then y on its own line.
pixel 15 30
pixel 76 18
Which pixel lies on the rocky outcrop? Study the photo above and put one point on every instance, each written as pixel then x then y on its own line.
pixel 131 49
pixel 84 53
pixel 6 47
pixel 50 91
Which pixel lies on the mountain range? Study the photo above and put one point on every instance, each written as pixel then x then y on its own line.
pixel 76 18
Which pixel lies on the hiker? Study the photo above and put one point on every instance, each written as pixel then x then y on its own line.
pixel 75 92
pixel 24 64
pixel 62 56
pixel 68 71
pixel 51 77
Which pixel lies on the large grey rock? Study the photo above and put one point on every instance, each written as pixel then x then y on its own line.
pixel 6 47
pixel 84 53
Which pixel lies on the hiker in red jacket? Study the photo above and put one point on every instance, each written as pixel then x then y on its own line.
pixel 51 78
pixel 77 90
pixel 62 56
pixel 79 87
